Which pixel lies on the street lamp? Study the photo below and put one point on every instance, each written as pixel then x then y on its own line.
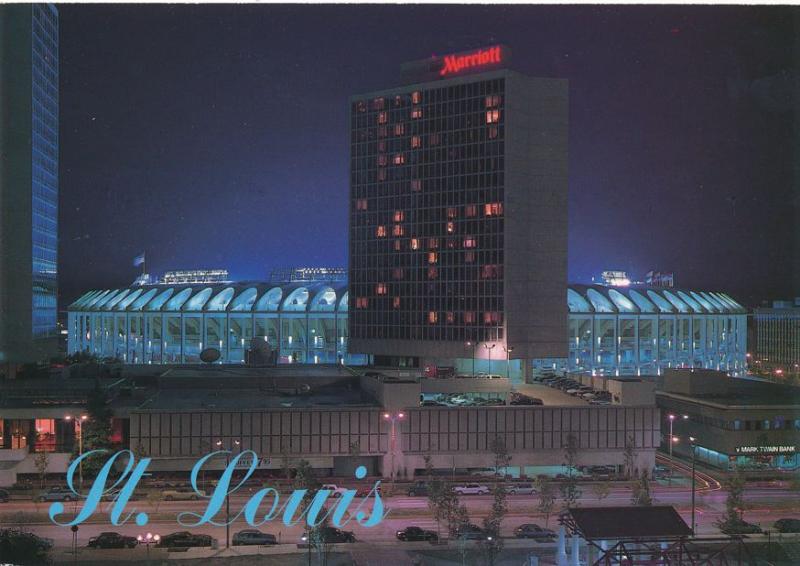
pixel 147 540
pixel 227 495
pixel 393 437
pixel 671 436
pixel 490 347
pixel 79 429
pixel 471 344
pixel 508 350
pixel 692 440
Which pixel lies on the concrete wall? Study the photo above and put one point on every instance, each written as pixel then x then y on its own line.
pixel 695 381
pixel 632 392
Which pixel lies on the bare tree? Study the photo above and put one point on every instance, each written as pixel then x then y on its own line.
pixel 601 490
pixel 42 462
pixel 547 498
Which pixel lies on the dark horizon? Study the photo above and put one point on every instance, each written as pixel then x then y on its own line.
pixel 216 136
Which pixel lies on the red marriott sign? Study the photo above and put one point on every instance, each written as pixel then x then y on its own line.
pixel 480 58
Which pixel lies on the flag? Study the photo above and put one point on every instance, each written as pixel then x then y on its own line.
pixel 138 260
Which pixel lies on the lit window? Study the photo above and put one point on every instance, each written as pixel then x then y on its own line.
pixel 382 160
pixel 397 245
pixel 396 302
pixel 399 129
pixel 380 231
pixel 492 116
pixel 432 257
pixel 416 97
pixel 451 227
pixel 414 243
pixel 399 159
pixel 416 185
pixel 452 212
pixel 469 317
pixel 397 273
pixel 432 317
pixel 398 215
pixel 362 302
pixel 471 211
pixel 450 317
pixel 416 141
pixel 469 257
pixel 397 230
pixel 469 242
pixel 377 103
pixel 493 131
pixel 493 208
pixel 433 272
pixel 361 106
pixel 398 100
pixel 433 243
pixel 416 113
pixel 491 271
pixel 383 117
pixel 380 289
pixel 493 101
pixel 491 317
pixel 361 204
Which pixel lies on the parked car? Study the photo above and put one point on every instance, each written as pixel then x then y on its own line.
pixel 530 530
pixel 429 403
pixel 253 537
pixel 185 539
pixel 418 488
pixel 415 533
pixel 464 376
pixel 471 532
pixel 741 528
pixel 57 494
pixel 335 490
pixel 787 525
pixel 471 489
pixel 520 399
pixel 489 375
pixel 364 491
pixel 332 535
pixel 181 494
pixel 5 496
pixel 495 401
pixel 524 488
pixel 599 402
pixel 112 540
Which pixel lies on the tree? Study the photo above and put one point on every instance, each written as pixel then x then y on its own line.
pixel 286 462
pixel 734 502
pixel 501 456
pixel 570 492
pixel 601 490
pixel 629 456
pixel 42 461
pixel 491 523
pixel 19 547
pixel 641 491
pixel 96 430
pixel 547 498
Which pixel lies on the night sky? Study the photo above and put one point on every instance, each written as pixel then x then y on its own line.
pixel 216 136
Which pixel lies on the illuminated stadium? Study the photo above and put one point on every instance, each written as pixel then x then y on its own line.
pixel 612 330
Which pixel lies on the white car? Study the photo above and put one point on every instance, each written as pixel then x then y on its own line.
pixel 181 494
pixel 471 489
pixel 335 490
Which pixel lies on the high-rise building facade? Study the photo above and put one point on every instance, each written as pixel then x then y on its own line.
pixel 458 213
pixel 28 181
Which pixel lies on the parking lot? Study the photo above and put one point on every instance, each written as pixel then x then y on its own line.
pixel 549 395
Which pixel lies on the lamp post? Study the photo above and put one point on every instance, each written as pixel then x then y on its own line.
pixel 79 429
pixel 393 418
pixel 471 344
pixel 672 439
pixel 306 538
pixel 692 440
pixel 147 540
pixel 490 347
pixel 508 350
pixel 227 495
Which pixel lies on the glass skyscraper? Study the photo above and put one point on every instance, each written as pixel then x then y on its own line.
pixel 28 181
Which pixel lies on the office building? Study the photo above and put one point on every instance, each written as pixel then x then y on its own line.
pixel 744 424
pixel 458 214
pixel 777 339
pixel 28 183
